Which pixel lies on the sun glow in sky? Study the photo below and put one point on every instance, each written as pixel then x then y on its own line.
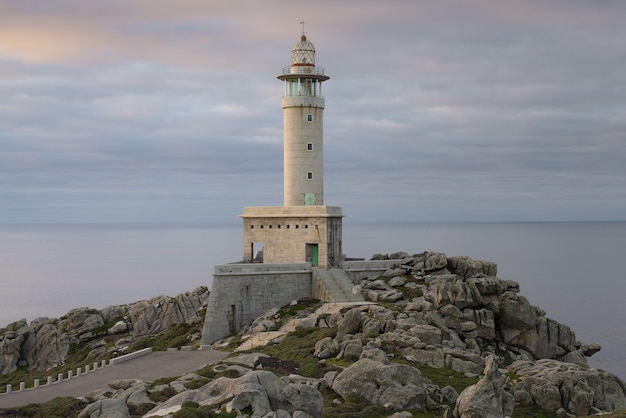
pixel 160 111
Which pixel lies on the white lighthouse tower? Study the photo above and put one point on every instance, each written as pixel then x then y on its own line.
pixel 304 229
pixel 303 111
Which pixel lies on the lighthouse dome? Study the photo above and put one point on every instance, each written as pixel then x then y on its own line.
pixel 303 53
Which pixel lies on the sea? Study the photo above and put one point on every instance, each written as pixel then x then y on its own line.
pixel 574 271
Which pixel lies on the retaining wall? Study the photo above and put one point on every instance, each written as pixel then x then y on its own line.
pixel 242 292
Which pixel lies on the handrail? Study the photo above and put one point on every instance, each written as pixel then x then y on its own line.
pixel 303 70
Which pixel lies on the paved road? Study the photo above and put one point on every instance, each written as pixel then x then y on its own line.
pixel 148 367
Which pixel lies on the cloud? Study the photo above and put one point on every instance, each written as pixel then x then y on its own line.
pixel 445 110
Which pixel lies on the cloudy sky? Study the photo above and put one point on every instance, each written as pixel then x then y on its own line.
pixel 169 111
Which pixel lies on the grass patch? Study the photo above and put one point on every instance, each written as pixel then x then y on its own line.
pixel 531 412
pixel 203 412
pixel 174 337
pixel 299 347
pixel 62 407
pixel 303 304
pixel 445 377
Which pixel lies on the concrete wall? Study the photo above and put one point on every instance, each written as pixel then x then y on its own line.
pixel 242 292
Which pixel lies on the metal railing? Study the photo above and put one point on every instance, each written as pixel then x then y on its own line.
pixel 303 69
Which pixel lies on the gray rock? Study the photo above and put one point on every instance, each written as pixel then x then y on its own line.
pixel 397 281
pixel 427 334
pixel 375 354
pixel 487 398
pixel 326 348
pixel 303 398
pixel 449 394
pixel 371 326
pixel 391 296
pixel 262 391
pixel 435 261
pixel 106 408
pixel 351 350
pixel 395 386
pixel 581 391
pixel 118 328
pixel 467 267
pixel 403 414
pixel 377 285
pixel 350 323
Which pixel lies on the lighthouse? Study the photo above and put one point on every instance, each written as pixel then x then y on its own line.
pixel 304 229
pixel 303 111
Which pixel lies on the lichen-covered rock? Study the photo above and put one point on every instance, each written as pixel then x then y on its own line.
pixel 435 261
pixel 395 386
pixel 326 348
pixel 262 391
pixel 106 408
pixel 350 323
pixel 10 345
pixel 552 384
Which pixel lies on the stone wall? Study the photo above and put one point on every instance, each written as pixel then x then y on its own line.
pixel 243 292
pixel 287 233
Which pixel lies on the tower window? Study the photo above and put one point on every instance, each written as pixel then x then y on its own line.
pixel 309 175
pixel 309 147
pixel 309 117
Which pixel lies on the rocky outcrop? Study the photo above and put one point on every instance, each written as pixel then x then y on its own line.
pixel 456 300
pixel 555 385
pixel 45 342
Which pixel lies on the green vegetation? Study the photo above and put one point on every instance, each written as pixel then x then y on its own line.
pixel 55 408
pixel 299 347
pixel 191 411
pixel 309 304
pixel 174 337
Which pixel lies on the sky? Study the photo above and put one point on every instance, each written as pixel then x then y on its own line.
pixel 155 111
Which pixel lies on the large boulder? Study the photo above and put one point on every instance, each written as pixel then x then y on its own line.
pixel 395 386
pixel 435 261
pixel 525 326
pixel 553 385
pixel 106 408
pixel 350 323
pixel 11 340
pixel 262 391
pixel 487 398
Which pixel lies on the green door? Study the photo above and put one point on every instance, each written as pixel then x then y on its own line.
pixel 314 256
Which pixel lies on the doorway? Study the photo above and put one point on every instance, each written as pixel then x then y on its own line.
pixel 312 254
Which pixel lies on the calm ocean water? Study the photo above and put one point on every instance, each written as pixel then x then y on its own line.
pixel 572 270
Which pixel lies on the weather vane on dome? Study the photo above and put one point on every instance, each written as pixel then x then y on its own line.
pixel 302 23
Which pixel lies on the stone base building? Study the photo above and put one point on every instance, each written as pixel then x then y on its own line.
pixel 293 234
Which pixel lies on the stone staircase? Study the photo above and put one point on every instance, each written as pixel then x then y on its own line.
pixel 334 286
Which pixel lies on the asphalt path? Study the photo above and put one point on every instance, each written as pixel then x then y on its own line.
pixel 147 367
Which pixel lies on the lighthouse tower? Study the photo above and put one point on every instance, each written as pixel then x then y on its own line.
pixel 303 111
pixel 294 250
pixel 304 229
